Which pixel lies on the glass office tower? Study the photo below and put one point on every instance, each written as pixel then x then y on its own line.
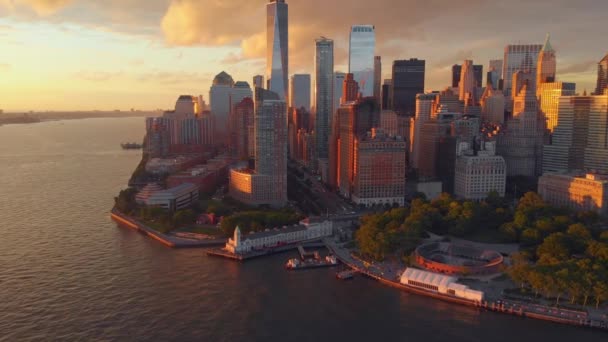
pixel 361 57
pixel 323 94
pixel 277 56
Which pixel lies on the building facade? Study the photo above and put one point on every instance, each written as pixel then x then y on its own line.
pixel 258 82
pixel 267 184
pixel 479 172
pixel 378 78
pixel 602 76
pixel 323 94
pixel 547 64
pixel 361 57
pixel 379 165
pixel 272 237
pixel 299 91
pixel 519 58
pixel 277 47
pixel 408 81
pixel 576 191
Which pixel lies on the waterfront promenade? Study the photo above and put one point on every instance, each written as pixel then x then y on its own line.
pixel 390 276
pixel 167 240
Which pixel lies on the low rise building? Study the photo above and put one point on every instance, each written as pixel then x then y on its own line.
pixel 305 231
pixel 576 191
pixel 172 199
pixel 479 172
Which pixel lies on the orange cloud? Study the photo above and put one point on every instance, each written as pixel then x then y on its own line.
pixel 41 7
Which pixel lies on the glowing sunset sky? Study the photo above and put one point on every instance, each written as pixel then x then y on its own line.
pixel 119 54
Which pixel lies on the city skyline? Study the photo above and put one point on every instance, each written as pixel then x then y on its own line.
pixel 137 54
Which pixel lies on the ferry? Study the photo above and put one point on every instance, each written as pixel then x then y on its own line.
pixel 297 264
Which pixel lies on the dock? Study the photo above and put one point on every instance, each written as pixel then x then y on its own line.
pixel 221 252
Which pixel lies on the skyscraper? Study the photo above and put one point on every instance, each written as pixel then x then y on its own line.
pixel 477 74
pixel 492 105
pixel 338 84
pixel 350 89
pixel 519 58
pixel 424 107
pixel 361 55
pixel 467 83
pixel 378 77
pixel 299 91
pixel 258 82
pixel 267 184
pixel 548 100
pixel 241 125
pixel 220 102
pixel 386 94
pixel 408 81
pixel 495 73
pixel 521 145
pixel 602 76
pixel 323 94
pixel 547 64
pixel 277 46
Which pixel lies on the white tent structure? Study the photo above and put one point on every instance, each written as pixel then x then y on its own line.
pixel 439 283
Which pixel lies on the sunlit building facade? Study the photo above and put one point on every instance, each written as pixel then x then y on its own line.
pixel 361 57
pixel 547 64
pixel 519 58
pixel 467 83
pixel 581 192
pixel 478 172
pixel 267 184
pixel 548 100
pixel 379 164
pixel 492 105
pixel 277 47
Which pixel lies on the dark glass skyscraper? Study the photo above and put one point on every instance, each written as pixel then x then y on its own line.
pixel 323 94
pixel 408 81
pixel 602 76
pixel 277 45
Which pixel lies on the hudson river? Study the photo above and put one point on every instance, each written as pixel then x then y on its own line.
pixel 68 273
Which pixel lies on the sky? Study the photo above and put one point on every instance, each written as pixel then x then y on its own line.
pixel 122 54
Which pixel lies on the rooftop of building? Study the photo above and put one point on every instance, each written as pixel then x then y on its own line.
pixel 178 190
pixel 242 84
pixel 274 231
pixel 223 78
pixel 186 98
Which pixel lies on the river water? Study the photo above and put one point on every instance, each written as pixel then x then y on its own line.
pixel 67 272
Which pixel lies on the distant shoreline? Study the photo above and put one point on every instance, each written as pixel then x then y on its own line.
pixel 32 118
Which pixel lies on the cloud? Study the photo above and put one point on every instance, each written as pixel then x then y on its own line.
pixel 576 68
pixel 40 7
pixel 97 76
pixel 5 67
pixel 163 77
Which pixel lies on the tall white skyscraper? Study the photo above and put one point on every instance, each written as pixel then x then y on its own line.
pixel 277 46
pixel 323 90
pixel 362 50
pixel 299 91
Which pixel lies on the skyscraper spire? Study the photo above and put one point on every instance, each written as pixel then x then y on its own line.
pixel 547 46
pixel 547 63
pixel 277 45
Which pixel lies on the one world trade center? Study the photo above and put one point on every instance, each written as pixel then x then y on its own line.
pixel 277 56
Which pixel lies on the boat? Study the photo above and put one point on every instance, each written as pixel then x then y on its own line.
pixel 131 146
pixel 297 264
pixel 345 275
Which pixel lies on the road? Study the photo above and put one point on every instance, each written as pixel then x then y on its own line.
pixel 326 201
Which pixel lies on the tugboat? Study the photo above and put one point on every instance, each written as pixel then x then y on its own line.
pixel 297 264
